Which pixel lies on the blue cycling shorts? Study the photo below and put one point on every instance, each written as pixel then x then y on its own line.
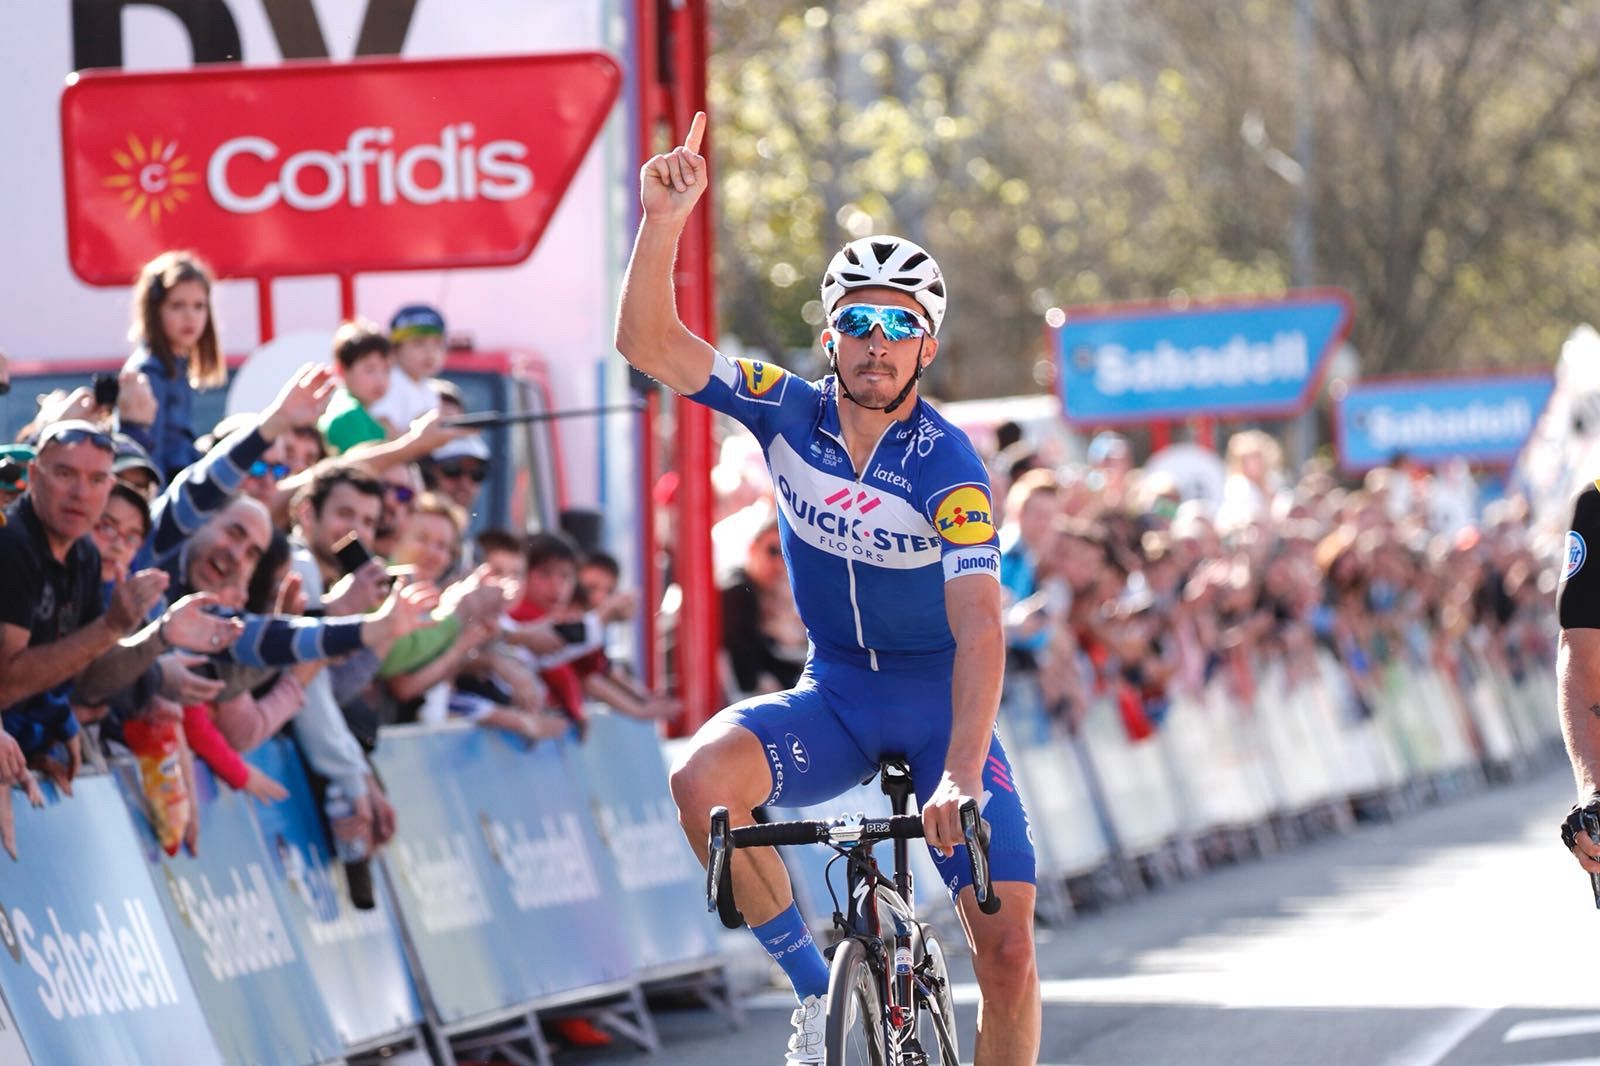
pixel 828 733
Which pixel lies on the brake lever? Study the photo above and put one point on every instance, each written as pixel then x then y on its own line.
pixel 975 833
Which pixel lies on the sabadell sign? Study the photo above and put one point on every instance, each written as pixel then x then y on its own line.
pixel 319 168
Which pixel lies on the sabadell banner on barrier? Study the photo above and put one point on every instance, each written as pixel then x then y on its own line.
pixel 317 168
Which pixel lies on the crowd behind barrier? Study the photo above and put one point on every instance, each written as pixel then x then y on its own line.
pixel 259 631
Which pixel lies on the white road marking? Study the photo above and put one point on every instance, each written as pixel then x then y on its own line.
pixel 1548 1028
pixel 1432 1046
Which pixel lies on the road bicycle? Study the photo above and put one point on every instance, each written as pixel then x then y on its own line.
pixel 889 995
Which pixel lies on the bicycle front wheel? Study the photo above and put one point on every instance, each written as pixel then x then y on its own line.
pixel 855 1034
pixel 937 1018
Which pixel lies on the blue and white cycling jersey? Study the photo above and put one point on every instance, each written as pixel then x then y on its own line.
pixel 868 551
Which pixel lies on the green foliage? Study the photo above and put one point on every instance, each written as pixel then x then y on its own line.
pixel 1056 153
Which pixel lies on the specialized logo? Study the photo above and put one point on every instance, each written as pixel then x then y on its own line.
pixel 1577 552
pixel 965 516
pixel 152 179
pixel 797 752
pixel 759 378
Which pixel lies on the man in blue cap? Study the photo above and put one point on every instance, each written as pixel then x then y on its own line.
pixel 417 335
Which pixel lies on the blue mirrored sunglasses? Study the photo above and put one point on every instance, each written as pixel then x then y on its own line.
pixel 261 468
pixel 897 323
pixel 66 433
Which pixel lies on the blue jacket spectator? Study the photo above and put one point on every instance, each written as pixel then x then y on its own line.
pixel 177 350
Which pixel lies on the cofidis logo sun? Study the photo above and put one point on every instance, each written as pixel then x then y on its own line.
pixel 965 516
pixel 152 178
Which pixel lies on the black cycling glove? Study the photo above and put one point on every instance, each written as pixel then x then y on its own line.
pixel 1583 818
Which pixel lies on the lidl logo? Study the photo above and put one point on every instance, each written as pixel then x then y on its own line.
pixel 759 378
pixel 152 178
pixel 965 516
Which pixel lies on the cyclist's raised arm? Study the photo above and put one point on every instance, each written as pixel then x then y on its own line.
pixel 650 335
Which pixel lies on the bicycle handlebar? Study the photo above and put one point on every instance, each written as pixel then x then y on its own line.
pixel 895 827
pixel 724 840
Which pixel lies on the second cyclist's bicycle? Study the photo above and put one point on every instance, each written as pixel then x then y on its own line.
pixel 889 995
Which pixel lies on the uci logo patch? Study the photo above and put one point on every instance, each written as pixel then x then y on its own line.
pixel 797 752
pixel 965 516
pixel 759 378
pixel 1577 552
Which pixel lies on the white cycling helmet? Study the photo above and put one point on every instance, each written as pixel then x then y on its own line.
pixel 892 262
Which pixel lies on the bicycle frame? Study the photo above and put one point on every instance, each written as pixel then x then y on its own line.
pixel 878 913
pixel 893 957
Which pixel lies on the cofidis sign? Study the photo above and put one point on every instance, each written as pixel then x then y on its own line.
pixel 1483 419
pixel 320 168
pixel 1131 363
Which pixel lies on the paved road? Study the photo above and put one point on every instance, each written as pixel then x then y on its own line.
pixel 1459 936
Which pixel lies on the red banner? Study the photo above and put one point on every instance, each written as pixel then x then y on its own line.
pixel 327 168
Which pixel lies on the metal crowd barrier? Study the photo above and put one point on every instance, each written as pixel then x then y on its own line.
pixel 523 883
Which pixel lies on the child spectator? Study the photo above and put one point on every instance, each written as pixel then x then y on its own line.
pixel 123 527
pixel 176 348
pixel 417 333
pixel 361 354
pixel 598 575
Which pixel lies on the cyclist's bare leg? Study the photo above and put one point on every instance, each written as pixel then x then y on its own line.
pixel 725 766
pixel 1008 975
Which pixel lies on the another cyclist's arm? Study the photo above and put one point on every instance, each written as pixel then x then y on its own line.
pixel 1578 655
pixel 650 335
pixel 972 603
pixel 1578 697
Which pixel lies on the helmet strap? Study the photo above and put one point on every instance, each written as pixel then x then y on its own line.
pixel 916 375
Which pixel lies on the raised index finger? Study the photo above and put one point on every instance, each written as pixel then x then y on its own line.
pixel 697 129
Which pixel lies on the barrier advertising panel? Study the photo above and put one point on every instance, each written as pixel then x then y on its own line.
pixel 315 168
pixel 559 921
pixel 246 964
pixel 356 955
pixel 91 971
pixel 438 867
pixel 501 885
pixel 1482 418
pixel 1133 363
pixel 661 887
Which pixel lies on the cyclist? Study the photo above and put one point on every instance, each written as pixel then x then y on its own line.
pixel 887 528
pixel 1578 671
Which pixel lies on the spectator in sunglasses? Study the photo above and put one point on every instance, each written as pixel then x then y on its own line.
pixel 402 484
pixel 14 460
pixel 52 623
pixel 458 470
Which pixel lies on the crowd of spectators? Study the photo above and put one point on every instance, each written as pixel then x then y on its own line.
pixel 1121 587
pixel 305 570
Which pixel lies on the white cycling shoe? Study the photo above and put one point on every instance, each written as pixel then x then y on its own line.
pixel 810 1021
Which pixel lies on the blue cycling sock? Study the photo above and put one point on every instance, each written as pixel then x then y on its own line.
pixel 789 942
